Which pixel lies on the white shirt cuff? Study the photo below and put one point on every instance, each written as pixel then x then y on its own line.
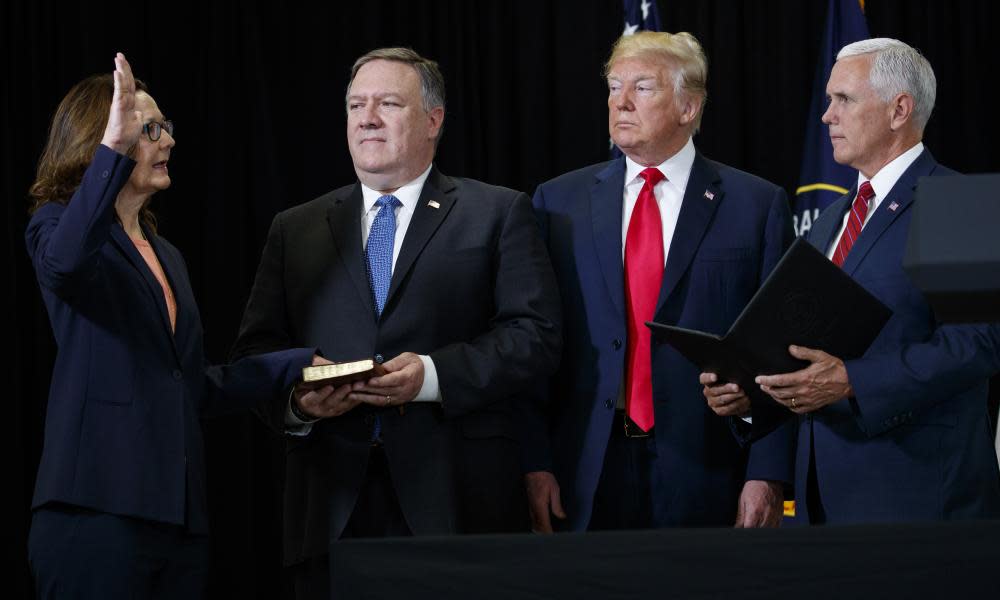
pixel 293 424
pixel 430 391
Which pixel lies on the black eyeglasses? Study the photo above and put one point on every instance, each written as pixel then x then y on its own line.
pixel 153 129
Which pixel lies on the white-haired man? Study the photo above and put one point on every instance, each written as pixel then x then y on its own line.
pixel 902 433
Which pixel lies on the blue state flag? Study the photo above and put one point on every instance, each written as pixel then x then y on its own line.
pixel 822 180
pixel 640 15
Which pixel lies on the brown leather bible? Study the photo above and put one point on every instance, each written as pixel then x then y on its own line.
pixel 337 374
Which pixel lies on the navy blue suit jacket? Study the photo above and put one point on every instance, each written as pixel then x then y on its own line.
pixel 914 441
pixel 122 432
pixel 731 231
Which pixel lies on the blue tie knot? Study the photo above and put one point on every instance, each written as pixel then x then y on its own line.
pixel 378 252
pixel 388 200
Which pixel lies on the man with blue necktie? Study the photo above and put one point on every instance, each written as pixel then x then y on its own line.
pixel 445 282
pixel 664 234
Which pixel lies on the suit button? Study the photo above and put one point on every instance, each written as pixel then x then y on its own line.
pixel 608 403
pixel 617 344
pixel 178 375
pixel 379 358
pixel 105 174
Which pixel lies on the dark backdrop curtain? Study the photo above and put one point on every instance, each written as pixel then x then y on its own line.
pixel 256 91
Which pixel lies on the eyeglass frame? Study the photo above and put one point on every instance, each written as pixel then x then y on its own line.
pixel 167 126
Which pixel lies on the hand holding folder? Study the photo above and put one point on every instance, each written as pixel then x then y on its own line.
pixel 806 301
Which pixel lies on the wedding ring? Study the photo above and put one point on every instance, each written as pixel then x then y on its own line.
pixel 388 400
pixel 793 402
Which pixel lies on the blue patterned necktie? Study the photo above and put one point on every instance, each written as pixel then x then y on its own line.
pixel 378 252
pixel 378 255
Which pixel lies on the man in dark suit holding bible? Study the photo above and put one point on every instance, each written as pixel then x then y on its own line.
pixel 445 282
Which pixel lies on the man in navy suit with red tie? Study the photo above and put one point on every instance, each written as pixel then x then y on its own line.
pixel 623 438
pixel 902 433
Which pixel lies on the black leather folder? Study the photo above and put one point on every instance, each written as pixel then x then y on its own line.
pixel 807 301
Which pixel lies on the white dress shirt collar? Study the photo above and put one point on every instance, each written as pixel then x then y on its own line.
pixel 408 194
pixel 882 184
pixel 887 176
pixel 669 193
pixel 677 168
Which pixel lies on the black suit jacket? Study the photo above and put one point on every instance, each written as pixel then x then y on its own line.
pixel 473 288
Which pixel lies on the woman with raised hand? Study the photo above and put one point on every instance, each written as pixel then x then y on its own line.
pixel 119 509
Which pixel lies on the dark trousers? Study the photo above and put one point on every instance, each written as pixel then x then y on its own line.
pixel 80 553
pixel 376 514
pixel 491 494
pixel 624 498
pixel 813 501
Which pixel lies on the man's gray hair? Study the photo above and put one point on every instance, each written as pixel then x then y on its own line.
pixel 898 68
pixel 431 80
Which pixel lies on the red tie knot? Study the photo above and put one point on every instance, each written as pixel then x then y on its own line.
pixel 652 175
pixel 865 192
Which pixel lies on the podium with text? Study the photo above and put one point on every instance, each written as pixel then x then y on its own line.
pixel 927 560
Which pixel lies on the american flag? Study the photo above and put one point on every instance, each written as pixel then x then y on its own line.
pixel 641 15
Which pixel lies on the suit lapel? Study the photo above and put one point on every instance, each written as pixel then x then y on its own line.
pixel 701 199
pixel 606 198
pixel 821 235
pixel 426 219
pixel 131 253
pixel 889 209
pixel 344 218
pixel 185 311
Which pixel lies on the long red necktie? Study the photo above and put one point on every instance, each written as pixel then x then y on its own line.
pixel 854 223
pixel 643 277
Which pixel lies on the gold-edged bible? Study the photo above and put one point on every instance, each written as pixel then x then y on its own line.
pixel 340 373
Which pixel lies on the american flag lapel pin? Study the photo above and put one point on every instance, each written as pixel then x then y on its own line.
pixel 893 206
pixel 433 204
pixel 709 195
